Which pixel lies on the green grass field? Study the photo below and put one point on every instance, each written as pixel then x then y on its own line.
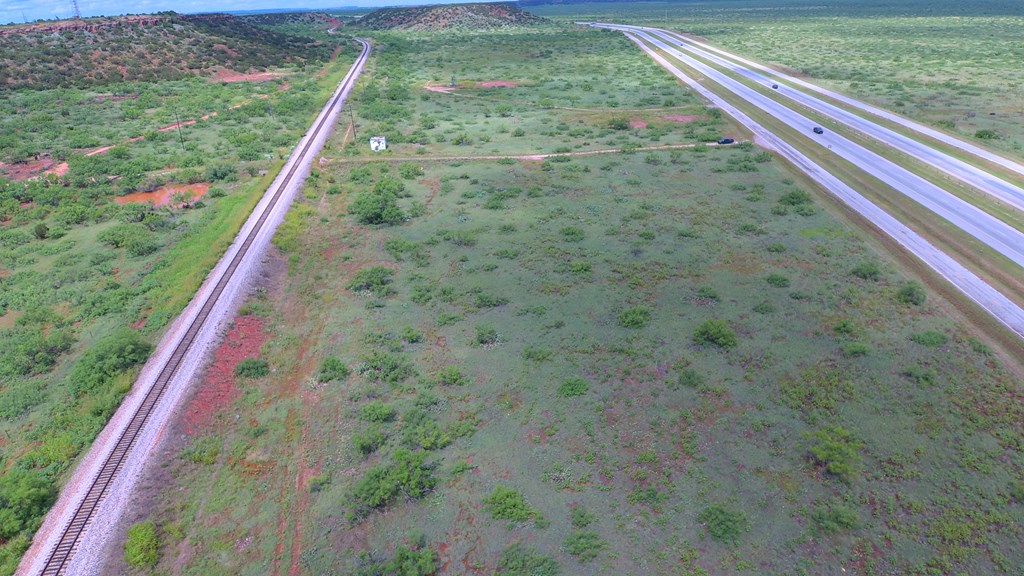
pixel 640 362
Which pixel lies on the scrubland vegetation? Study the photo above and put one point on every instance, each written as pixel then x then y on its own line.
pixel 640 361
pixel 87 284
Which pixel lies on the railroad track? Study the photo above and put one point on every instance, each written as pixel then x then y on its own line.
pixel 56 563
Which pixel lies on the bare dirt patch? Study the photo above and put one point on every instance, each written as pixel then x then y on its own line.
pixel 244 339
pixel 637 124
pixel 162 196
pixel 25 170
pixel 684 118
pixel 228 75
pixel 497 84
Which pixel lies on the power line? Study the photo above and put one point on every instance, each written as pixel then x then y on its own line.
pixel 78 13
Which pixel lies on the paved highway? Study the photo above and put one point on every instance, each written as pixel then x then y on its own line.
pixel 971 175
pixel 1005 240
pixel 988 229
pixel 953 141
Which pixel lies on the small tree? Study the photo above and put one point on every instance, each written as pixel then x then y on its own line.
pixel 717 332
pixel 41 231
pixel 837 450
pixel 911 293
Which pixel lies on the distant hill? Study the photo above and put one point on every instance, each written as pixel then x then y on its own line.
pixel 448 16
pixel 98 51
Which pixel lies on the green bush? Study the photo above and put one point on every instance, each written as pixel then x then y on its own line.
pixel 571 387
pixel 537 353
pixel 795 198
pixel 634 317
pixel 724 523
pixel 372 208
pixel 508 504
pixel 572 234
pixel 385 367
pixel 517 560
pixel 869 270
pixel 410 170
pixel 25 495
pixel 26 350
pixel 837 450
pixel 420 430
pixel 252 368
pixel 332 369
pixel 930 338
pixel 376 279
pixel 986 134
pixel 368 441
pixel 406 473
pixel 485 334
pixel 409 562
pixel 450 376
pixel 833 519
pixel 855 349
pixel 110 356
pixel 690 378
pixel 717 332
pixel 911 293
pixel 584 545
pixel 203 450
pixel 581 518
pixel 142 545
pixel 411 335
pixel 777 280
pixel 377 411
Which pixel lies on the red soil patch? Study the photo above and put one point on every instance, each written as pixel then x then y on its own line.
pixel 162 196
pixel 25 170
pixel 226 75
pixel 58 170
pixel 284 86
pixel 441 89
pixel 637 124
pixel 243 340
pixel 498 84
pixel 226 50
pixel 679 118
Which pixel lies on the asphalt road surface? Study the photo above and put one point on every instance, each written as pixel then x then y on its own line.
pixel 1005 239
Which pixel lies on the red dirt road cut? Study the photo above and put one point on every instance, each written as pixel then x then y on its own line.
pixel 218 388
pixel 162 196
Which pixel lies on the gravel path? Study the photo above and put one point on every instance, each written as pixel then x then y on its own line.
pixel 84 561
pixel 991 300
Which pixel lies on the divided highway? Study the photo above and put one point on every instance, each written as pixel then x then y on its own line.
pixel 996 234
pixel 77 530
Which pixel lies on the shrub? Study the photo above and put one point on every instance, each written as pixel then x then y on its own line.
pixel 911 293
pixel 486 334
pixel 519 561
pixel 410 562
pixel 368 441
pixel 376 279
pixel 572 234
pixel 385 367
pixel 717 332
pixel 140 549
pixel 372 208
pixel 723 523
pixel 855 349
pixel 411 335
pixel 584 545
pixel 690 378
pixel 450 376
pixel 252 368
pixel 410 170
pixel 635 317
pixel 868 271
pixel 795 198
pixel 406 473
pixel 376 411
pixel 109 357
pixel 41 231
pixel 777 280
pixel 142 245
pixel 332 369
pixel 986 134
pixel 419 430
pixel 508 504
pixel 25 496
pixel 925 376
pixel 581 518
pixel 203 450
pixel 837 450
pixel 930 338
pixel 572 387
pixel 537 353
pixel 833 519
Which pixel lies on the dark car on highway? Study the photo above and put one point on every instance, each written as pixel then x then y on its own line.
pixel 775 86
pixel 726 141
pixel 818 130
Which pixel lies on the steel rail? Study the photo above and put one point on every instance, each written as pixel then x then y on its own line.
pixel 66 546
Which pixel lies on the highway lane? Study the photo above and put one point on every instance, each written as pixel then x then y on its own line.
pixel 998 305
pixel 967 173
pixel 947 139
pixel 989 230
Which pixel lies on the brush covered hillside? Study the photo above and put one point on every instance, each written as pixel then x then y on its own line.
pixel 168 46
pixel 447 17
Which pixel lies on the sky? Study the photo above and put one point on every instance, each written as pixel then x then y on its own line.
pixel 19 10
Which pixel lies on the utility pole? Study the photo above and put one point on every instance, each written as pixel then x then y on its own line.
pixel 177 122
pixel 78 13
pixel 352 115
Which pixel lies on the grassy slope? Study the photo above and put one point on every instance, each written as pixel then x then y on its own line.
pixel 667 429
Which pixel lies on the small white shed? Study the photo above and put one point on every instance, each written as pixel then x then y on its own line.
pixel 378 143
